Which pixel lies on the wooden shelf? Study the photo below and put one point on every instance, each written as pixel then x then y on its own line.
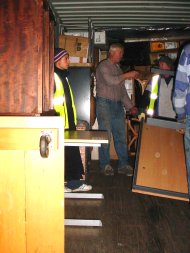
pixel 81 64
pixel 158 48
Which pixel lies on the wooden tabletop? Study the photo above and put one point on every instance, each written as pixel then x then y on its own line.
pixel 87 138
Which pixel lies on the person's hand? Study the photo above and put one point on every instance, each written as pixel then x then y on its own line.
pixel 134 111
pixel 131 74
pixel 141 116
pixel 135 74
pixel 181 130
pixel 181 119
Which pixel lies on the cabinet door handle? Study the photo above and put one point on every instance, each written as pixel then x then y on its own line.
pixel 44 145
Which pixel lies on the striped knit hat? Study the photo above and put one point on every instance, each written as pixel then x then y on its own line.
pixel 59 53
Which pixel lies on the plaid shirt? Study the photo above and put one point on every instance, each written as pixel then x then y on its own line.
pixel 181 98
pixel 110 83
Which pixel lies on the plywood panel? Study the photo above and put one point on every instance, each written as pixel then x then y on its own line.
pixel 12 202
pixel 161 162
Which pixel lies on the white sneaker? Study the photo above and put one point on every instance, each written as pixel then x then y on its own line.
pixel 67 189
pixel 83 188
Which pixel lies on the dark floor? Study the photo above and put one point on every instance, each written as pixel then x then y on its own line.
pixel 132 222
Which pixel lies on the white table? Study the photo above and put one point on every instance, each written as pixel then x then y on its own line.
pixel 91 138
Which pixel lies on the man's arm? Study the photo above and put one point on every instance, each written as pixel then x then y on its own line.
pixel 181 85
pixel 110 77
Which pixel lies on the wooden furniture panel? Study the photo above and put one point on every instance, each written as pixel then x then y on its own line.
pixel 12 207
pixel 113 154
pixel 32 187
pixel 48 55
pixel 51 70
pixel 25 56
pixel 21 54
pixel 160 165
pixel 45 202
pixel 46 65
pixel 23 138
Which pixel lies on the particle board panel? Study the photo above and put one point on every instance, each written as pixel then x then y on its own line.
pixel 160 163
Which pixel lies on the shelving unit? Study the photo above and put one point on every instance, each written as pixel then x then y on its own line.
pixel 160 48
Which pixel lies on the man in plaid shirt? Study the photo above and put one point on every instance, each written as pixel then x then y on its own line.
pixel 181 100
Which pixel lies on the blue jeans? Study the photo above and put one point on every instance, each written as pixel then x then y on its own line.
pixel 111 117
pixel 187 149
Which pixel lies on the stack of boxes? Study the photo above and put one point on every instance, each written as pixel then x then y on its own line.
pixel 77 47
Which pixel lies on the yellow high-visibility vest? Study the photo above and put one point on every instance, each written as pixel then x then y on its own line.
pixel 59 101
pixel 153 95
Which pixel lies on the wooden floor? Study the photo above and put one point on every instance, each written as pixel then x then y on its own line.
pixel 132 222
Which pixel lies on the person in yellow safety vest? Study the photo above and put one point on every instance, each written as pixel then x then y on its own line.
pixel 64 106
pixel 58 101
pixel 157 97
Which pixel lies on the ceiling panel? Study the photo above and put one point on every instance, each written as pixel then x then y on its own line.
pixel 74 14
pixel 127 17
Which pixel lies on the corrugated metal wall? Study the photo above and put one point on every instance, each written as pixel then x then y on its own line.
pixel 74 15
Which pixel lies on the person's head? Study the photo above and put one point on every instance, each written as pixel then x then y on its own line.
pixel 61 58
pixel 165 63
pixel 116 52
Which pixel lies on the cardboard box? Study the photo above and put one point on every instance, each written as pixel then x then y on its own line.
pixel 74 59
pixel 157 46
pixel 76 46
pixel 154 57
pixel 171 45
pixel 103 55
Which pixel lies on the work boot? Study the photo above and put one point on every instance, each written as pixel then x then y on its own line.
pixel 107 170
pixel 126 170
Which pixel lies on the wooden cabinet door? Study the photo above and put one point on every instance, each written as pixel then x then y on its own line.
pixel 32 187
pixel 44 202
pixel 12 202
